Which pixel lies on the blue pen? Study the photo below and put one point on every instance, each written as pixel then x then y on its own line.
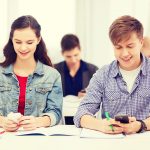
pixel 108 118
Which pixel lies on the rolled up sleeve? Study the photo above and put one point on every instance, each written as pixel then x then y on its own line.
pixel 91 103
pixel 54 103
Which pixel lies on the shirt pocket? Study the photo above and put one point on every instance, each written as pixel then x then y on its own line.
pixel 144 93
pixel 5 92
pixel 41 97
pixel 143 103
pixel 5 97
pixel 43 90
pixel 111 101
pixel 4 88
pixel 42 93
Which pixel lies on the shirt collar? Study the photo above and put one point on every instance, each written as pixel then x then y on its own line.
pixel 115 68
pixel 39 69
pixel 83 66
pixel 144 64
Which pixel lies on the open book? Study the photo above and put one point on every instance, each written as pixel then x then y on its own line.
pixel 87 133
pixel 58 130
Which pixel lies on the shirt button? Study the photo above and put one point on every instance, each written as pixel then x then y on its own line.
pixel 30 89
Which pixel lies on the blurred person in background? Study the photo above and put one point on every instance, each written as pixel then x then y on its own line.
pixel 75 73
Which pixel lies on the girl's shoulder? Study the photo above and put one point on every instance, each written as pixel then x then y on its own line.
pixel 50 70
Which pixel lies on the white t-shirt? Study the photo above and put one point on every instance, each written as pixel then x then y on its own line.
pixel 129 77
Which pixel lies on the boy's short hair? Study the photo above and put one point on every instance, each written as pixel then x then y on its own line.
pixel 122 28
pixel 69 42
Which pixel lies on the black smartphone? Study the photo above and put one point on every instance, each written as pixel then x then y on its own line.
pixel 83 91
pixel 122 118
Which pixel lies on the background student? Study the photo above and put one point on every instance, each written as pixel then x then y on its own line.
pixel 75 72
pixel 122 87
pixel 28 83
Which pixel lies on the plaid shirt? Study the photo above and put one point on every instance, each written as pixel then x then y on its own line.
pixel 108 89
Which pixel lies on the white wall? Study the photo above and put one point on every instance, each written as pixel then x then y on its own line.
pixel 89 19
pixel 92 27
pixel 56 17
pixel 3 24
pixel 95 19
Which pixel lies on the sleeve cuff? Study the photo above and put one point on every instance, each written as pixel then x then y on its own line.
pixel 77 118
pixel 52 118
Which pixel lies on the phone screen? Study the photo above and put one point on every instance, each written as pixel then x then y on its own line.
pixel 122 118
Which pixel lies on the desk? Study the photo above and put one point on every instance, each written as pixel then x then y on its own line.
pixel 11 142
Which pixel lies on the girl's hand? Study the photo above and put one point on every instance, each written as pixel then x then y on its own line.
pixel 28 122
pixel 9 125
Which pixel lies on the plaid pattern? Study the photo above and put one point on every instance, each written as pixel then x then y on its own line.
pixel 108 89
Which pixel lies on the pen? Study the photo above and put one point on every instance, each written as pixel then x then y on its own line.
pixel 108 118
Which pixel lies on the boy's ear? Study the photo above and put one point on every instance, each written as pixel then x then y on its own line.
pixel 142 42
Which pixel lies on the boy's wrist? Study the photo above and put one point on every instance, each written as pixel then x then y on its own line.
pixel 143 126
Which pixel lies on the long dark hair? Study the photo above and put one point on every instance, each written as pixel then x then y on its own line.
pixel 41 51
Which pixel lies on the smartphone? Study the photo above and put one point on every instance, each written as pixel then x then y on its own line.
pixel 83 91
pixel 122 118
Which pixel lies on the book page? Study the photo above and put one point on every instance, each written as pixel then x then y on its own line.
pixel 38 131
pixel 66 130
pixel 87 133
pixel 58 130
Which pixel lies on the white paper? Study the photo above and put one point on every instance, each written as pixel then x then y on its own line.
pixel 87 133
pixel 139 135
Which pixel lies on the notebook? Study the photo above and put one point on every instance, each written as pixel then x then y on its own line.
pixel 87 133
pixel 58 130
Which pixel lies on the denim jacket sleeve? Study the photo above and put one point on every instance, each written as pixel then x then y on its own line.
pixel 53 107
